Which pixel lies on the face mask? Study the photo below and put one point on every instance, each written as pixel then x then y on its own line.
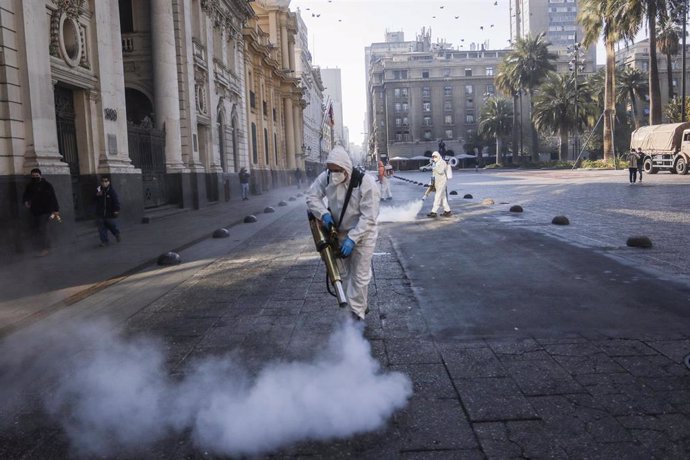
pixel 35 179
pixel 338 177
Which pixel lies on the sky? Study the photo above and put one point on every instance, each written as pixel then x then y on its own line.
pixel 339 30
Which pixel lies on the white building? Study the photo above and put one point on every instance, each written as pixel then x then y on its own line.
pixel 333 93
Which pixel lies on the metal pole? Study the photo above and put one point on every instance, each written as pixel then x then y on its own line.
pixel 682 101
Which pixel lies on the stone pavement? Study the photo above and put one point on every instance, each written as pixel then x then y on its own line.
pixel 33 287
pixel 264 299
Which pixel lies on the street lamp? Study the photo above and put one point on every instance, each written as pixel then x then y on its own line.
pixel 577 63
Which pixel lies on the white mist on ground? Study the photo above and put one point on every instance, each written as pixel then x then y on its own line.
pixel 113 394
pixel 403 213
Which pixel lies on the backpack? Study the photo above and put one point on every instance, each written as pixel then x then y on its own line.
pixel 449 171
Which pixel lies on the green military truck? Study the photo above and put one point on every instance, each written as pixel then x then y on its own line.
pixel 665 147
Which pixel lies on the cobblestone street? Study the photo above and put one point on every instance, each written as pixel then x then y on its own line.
pixel 519 394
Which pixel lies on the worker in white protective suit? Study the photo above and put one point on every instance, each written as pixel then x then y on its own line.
pixel 357 229
pixel 438 172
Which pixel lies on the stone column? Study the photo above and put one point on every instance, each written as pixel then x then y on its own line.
pixel 289 133
pixel 36 93
pixel 106 117
pixel 285 50
pixel 299 138
pixel 166 91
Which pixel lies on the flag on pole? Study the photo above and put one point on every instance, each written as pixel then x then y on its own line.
pixel 330 121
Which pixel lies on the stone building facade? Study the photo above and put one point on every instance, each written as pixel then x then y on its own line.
pixel 274 94
pixel 156 94
pixel 432 94
pixel 313 93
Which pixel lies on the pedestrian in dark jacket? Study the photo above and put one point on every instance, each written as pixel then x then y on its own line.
pixel 244 181
pixel 39 197
pixel 107 210
pixel 640 163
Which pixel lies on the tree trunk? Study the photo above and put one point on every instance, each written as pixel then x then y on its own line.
pixel 563 145
pixel 516 130
pixel 669 76
pixel 533 130
pixel 654 88
pixel 609 99
pixel 633 104
pixel 499 155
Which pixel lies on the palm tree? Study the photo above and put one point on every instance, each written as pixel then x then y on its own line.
pixel 632 85
pixel 528 63
pixel 507 85
pixel 633 14
pixel 555 108
pixel 603 18
pixel 495 120
pixel 668 35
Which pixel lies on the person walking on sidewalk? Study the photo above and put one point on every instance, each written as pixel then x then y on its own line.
pixel 632 166
pixel 440 181
pixel 244 182
pixel 107 210
pixel 640 163
pixel 39 197
pixel 352 207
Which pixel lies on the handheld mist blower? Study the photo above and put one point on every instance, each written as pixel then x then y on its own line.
pixel 327 246
pixel 429 189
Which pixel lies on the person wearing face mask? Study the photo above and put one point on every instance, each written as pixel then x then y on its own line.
pixel 39 197
pixel 107 210
pixel 440 181
pixel 352 207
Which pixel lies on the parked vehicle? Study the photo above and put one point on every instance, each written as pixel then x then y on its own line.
pixel 666 147
pixel 425 168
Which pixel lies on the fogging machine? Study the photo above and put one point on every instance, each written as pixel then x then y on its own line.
pixel 327 245
pixel 430 188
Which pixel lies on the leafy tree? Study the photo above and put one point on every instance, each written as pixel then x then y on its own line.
pixel 495 120
pixel 603 18
pixel 631 18
pixel 509 86
pixel 555 108
pixel 632 85
pixel 668 35
pixel 526 65
pixel 621 124
pixel 673 110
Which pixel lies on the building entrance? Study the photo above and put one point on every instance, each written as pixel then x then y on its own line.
pixel 67 145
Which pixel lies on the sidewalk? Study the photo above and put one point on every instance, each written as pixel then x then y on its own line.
pixel 36 286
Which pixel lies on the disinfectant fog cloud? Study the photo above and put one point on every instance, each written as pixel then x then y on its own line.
pixel 403 213
pixel 113 394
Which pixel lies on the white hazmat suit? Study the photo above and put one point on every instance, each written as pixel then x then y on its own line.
pixel 358 224
pixel 440 183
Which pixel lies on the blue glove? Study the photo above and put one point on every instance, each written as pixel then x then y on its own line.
pixel 327 221
pixel 347 247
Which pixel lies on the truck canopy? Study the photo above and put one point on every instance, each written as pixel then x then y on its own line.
pixel 659 138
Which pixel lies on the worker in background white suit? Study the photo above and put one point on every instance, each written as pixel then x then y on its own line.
pixel 440 181
pixel 357 232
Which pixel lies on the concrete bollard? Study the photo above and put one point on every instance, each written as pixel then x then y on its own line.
pixel 250 219
pixel 453 192
pixel 516 208
pixel 560 220
pixel 468 196
pixel 169 258
pixel 269 209
pixel 639 241
pixel 282 203
pixel 221 233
